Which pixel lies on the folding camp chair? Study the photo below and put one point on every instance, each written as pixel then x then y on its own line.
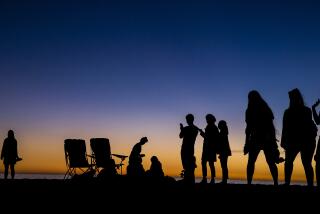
pixel 76 158
pixel 101 154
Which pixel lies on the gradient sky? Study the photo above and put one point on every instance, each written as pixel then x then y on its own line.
pixel 127 69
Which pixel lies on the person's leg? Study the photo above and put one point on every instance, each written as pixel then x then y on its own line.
pixel 253 155
pixel 213 171
pixel 189 170
pixel 6 169
pixel 272 165
pixel 12 171
pixel 306 158
pixel 288 165
pixel 318 173
pixel 204 170
pixel 224 167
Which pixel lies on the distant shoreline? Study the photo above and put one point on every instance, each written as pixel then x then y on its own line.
pixel 59 176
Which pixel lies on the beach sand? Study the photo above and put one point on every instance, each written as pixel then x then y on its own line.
pixel 136 196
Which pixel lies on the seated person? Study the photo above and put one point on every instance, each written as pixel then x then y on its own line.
pixel 155 170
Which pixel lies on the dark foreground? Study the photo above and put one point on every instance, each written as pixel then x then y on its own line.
pixel 136 196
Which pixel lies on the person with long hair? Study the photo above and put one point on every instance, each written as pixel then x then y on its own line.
pixel 260 135
pixel 298 136
pixel 9 154
pixel 224 150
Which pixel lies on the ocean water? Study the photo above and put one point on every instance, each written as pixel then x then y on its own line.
pixel 35 176
pixel 198 179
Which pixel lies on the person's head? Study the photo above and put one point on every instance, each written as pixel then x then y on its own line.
pixel 254 97
pixel 10 134
pixel 154 159
pixel 222 125
pixel 143 140
pixel 296 98
pixel 190 119
pixel 210 119
pixel 258 104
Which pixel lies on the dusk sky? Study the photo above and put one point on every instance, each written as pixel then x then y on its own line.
pixel 127 69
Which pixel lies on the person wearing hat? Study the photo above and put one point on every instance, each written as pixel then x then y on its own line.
pixel 135 167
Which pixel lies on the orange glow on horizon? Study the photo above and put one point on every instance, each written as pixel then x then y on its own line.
pixel 45 154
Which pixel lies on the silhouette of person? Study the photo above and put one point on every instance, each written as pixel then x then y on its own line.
pixel 209 150
pixel 155 170
pixel 135 167
pixel 224 150
pixel 189 135
pixel 316 118
pixel 298 135
pixel 9 154
pixel 260 135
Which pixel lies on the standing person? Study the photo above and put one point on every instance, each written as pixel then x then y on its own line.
pixel 316 118
pixel 135 167
pixel 260 135
pixel 209 151
pixel 9 154
pixel 188 134
pixel 298 135
pixel 224 150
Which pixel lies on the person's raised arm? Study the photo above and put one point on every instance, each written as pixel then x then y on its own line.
pixel 181 131
pixel 314 112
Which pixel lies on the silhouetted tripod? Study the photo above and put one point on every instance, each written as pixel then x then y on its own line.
pixel 122 158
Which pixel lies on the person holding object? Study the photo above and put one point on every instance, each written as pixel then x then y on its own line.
pixel 188 134
pixel 135 167
pixel 298 136
pixel 9 154
pixel 260 135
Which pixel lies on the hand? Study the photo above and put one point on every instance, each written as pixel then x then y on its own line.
pixel 245 149
pixel 317 103
pixel 181 126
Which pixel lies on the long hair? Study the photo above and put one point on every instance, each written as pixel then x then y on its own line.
pixel 296 99
pixel 257 103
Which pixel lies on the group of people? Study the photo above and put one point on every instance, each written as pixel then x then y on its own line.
pixel 135 167
pixel 299 132
pixel 215 142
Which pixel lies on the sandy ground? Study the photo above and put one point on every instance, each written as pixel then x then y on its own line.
pixel 136 196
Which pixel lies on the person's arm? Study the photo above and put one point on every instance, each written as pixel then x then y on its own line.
pixel 202 133
pixel 2 151
pixel 247 140
pixel 283 143
pixel 314 112
pixel 181 135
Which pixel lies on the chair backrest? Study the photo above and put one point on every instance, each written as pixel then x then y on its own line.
pixel 101 151
pixel 76 154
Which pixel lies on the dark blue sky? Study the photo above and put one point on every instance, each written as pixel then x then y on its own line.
pixel 127 62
